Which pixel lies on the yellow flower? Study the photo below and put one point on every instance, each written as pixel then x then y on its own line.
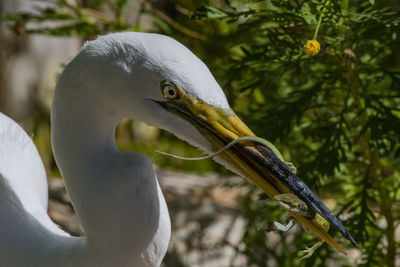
pixel 312 47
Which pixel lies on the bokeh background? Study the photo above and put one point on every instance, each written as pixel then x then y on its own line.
pixel 335 115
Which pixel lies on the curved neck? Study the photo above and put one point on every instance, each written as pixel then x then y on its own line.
pixel 82 130
pixel 116 195
pixel 83 145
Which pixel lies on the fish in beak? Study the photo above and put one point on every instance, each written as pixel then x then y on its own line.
pixel 257 162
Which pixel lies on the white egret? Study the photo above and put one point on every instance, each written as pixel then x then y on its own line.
pixel 147 77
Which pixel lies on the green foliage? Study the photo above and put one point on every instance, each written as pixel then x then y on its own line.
pixel 79 19
pixel 209 12
pixel 335 115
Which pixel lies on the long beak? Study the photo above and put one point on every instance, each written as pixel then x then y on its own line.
pixel 256 162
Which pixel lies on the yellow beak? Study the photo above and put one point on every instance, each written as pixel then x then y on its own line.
pixel 256 162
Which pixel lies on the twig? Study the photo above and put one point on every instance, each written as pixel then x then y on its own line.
pixel 97 14
pixel 173 23
pixel 320 19
pixel 111 6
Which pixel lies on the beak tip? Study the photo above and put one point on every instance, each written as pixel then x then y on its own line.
pixel 351 239
pixel 347 235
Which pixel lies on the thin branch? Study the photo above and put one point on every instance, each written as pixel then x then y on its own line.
pixel 98 14
pixel 111 6
pixel 174 24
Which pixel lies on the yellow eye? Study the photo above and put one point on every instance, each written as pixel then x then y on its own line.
pixel 169 90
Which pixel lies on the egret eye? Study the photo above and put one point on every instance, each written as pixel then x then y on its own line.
pixel 169 90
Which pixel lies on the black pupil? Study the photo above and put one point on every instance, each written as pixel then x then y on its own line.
pixel 171 92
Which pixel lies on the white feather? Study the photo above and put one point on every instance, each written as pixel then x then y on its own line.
pixel 116 195
pixel 22 170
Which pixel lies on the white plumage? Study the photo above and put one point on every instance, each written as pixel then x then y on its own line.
pixel 116 195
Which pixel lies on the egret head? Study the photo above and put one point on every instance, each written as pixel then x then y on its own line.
pixel 157 80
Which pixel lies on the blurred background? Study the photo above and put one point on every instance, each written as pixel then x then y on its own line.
pixel 335 115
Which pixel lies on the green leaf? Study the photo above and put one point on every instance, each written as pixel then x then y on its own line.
pixel 120 3
pixel 209 12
